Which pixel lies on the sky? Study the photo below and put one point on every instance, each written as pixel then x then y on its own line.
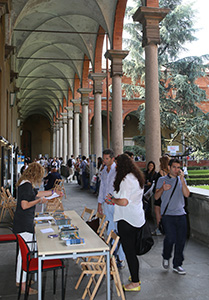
pixel 201 46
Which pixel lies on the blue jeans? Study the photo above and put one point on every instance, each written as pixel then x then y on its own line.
pixel 175 234
pixel 85 180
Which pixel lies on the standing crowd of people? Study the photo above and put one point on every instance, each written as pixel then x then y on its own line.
pixel 121 188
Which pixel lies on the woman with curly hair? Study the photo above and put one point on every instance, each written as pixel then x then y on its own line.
pixel 27 198
pixel 129 213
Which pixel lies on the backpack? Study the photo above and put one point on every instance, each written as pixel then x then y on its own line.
pixel 69 163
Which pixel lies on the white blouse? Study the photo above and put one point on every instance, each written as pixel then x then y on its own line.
pixel 133 213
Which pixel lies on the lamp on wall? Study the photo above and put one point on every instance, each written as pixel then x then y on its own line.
pixel 21 132
pixel 18 122
pixel 12 99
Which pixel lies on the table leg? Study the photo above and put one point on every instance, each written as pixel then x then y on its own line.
pixel 108 275
pixel 39 279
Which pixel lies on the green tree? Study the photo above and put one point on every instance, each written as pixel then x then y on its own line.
pixel 180 97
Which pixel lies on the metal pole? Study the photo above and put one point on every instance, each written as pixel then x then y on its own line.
pixel 107 97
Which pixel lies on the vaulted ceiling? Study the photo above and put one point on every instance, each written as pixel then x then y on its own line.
pixel 54 40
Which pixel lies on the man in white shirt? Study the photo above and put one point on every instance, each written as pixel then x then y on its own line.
pixel 106 187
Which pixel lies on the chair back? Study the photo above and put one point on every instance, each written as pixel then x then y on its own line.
pixel 101 230
pixel 88 211
pixel 25 252
pixel 112 237
pixel 101 221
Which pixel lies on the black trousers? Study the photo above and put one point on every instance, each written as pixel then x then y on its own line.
pixel 128 235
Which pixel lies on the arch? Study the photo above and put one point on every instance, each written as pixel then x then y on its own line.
pixel 118 25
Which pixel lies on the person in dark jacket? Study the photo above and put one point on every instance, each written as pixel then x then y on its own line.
pixel 51 178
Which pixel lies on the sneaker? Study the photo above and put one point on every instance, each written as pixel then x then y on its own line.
pixel 121 264
pixel 179 270
pixel 157 232
pixel 165 264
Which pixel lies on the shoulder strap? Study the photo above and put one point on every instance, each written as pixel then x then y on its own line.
pixel 171 196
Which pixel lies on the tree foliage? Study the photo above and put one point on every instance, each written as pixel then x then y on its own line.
pixel 180 96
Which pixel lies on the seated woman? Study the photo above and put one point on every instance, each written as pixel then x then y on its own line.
pixel 129 213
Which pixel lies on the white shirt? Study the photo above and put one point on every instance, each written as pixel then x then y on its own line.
pixel 133 213
pixel 106 187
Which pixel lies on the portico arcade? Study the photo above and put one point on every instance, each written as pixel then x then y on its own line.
pixel 52 81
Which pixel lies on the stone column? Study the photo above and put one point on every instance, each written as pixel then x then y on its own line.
pixel 64 120
pixel 61 138
pixel 97 91
pixel 116 57
pixel 150 17
pixel 57 139
pixel 76 109
pixel 70 130
pixel 85 122
pixel 54 135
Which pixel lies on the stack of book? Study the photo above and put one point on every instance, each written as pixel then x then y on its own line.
pixel 70 234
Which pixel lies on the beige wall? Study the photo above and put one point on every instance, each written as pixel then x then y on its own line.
pixel 39 128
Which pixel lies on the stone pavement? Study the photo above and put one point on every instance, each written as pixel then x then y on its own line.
pixel 156 282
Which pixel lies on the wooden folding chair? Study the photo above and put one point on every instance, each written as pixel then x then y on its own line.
pixel 97 270
pixel 88 211
pixel 12 200
pixel 101 227
pixel 59 185
pixel 53 205
pixel 7 204
pixel 100 232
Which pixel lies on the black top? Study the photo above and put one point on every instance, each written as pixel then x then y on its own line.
pixel 24 219
pixel 149 177
pixel 51 177
pixel 157 202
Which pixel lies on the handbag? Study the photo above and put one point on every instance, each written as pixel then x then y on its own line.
pixel 93 223
pixel 144 240
pixel 160 225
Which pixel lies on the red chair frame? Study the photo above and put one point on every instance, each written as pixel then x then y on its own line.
pixel 30 266
pixel 8 238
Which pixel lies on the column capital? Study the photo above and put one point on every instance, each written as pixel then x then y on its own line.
pixel 60 122
pixel 64 118
pixel 76 105
pixel 84 95
pixel 56 124
pixel 150 18
pixel 116 57
pixel 53 127
pixel 98 81
pixel 69 112
pixel 4 7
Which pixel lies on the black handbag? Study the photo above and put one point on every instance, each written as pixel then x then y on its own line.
pixel 93 223
pixel 160 225
pixel 144 240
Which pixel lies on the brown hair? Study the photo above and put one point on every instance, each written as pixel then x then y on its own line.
pixel 164 160
pixel 124 166
pixel 34 173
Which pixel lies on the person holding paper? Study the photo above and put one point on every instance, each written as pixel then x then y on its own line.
pixel 27 198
